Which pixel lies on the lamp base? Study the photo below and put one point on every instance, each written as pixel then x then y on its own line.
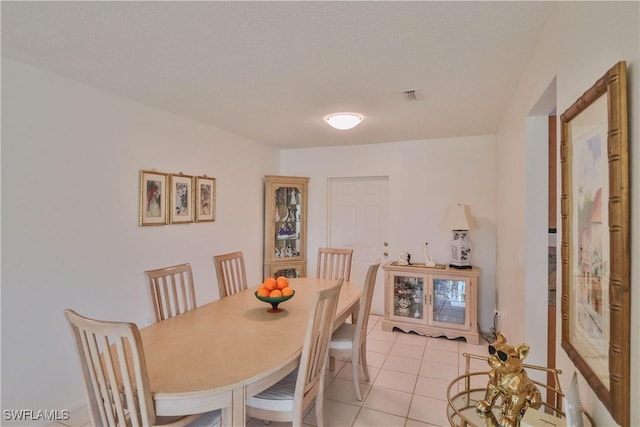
pixel 460 251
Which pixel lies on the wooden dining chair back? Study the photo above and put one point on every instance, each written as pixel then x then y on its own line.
pixel 288 399
pixel 115 375
pixel 351 340
pixel 334 263
pixel 172 290
pixel 231 273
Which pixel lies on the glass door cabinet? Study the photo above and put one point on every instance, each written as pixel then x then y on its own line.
pixel 431 301
pixel 285 228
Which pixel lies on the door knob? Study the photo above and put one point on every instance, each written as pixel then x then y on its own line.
pixel 386 253
pixel 386 243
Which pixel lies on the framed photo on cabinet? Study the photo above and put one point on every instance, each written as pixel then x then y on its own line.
pixel 205 199
pixel 181 200
pixel 153 198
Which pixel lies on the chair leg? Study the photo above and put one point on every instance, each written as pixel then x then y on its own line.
pixel 319 404
pixel 356 372
pixel 319 410
pixel 332 363
pixel 363 360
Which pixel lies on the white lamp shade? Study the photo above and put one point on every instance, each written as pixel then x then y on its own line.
pixel 344 121
pixel 459 218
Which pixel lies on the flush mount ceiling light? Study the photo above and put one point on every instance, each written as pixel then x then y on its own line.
pixel 344 121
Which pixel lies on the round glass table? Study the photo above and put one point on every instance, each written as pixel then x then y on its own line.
pixel 466 390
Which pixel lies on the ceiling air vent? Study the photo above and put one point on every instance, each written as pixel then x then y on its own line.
pixel 413 95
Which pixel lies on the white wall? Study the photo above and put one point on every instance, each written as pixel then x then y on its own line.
pixel 425 178
pixel 581 42
pixel 71 156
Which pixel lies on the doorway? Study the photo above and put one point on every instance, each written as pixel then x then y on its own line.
pixel 540 214
pixel 359 219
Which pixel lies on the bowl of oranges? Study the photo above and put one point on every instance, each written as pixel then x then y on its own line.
pixel 274 291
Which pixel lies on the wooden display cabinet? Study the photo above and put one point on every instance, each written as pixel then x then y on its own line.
pixel 432 301
pixel 285 226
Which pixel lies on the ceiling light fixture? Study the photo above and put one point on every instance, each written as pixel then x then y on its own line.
pixel 344 121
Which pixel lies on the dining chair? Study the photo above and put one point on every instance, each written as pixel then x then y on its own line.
pixel 172 290
pixel 334 263
pixel 351 340
pixel 287 399
pixel 115 376
pixel 231 273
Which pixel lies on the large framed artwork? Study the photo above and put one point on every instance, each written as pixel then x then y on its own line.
pixel 205 199
pixel 595 247
pixel 181 205
pixel 153 198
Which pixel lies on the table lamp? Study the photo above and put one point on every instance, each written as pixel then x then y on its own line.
pixel 460 221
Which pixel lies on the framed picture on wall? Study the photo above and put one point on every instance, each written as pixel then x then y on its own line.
pixel 181 200
pixel 595 208
pixel 153 198
pixel 205 199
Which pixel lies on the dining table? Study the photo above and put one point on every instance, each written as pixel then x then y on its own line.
pixel 220 353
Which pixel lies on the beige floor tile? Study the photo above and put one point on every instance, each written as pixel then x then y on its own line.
pixel 371 418
pixel 344 391
pixel 431 387
pixel 402 364
pixel 441 356
pixel 375 359
pixel 415 423
pixel 438 370
pixel 380 335
pixel 396 380
pixel 443 344
pixel 374 322
pixel 389 401
pixel 329 375
pixel 77 418
pixel 428 410
pixel 475 365
pixel 411 339
pixel 405 350
pixel 376 346
pixel 334 414
pixel 347 373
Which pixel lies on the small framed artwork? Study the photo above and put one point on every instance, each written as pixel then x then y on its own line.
pixel 181 200
pixel 205 199
pixel 153 198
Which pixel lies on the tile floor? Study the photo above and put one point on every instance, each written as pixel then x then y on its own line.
pixel 409 378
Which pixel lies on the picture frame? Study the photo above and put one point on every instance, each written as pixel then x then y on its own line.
pixel 205 199
pixel 181 200
pixel 153 198
pixel 595 251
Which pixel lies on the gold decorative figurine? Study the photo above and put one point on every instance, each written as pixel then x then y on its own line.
pixel 508 380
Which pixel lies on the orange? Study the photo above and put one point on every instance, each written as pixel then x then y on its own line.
pixel 282 282
pixel 269 283
pixel 275 293
pixel 287 291
pixel 263 292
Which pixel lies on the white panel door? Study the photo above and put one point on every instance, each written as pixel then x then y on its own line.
pixel 358 219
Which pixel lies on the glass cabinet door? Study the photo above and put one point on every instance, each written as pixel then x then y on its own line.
pixel 287 226
pixel 290 271
pixel 449 301
pixel 408 297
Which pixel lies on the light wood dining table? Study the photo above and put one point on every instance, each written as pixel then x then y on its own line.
pixel 218 354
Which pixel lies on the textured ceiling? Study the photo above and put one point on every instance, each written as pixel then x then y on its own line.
pixel 270 71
